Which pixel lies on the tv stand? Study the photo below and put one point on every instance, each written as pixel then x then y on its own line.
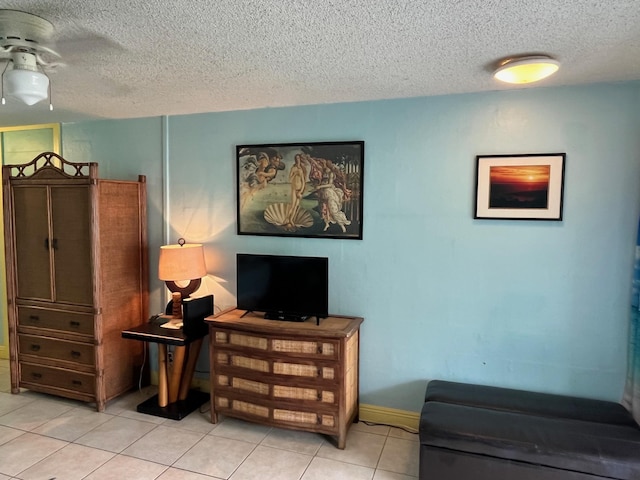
pixel 291 375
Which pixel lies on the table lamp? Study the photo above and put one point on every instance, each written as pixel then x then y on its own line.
pixel 181 263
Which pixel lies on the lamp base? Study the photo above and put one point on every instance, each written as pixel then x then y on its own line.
pixel 185 292
pixel 176 410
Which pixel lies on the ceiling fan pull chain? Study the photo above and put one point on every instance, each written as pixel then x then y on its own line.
pixel 50 99
pixel 2 81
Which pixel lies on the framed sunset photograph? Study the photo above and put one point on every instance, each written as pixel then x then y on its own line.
pixel 520 187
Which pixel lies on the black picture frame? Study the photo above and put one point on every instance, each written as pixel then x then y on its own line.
pixel 306 189
pixel 520 187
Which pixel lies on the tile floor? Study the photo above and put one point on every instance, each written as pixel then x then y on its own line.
pixel 45 438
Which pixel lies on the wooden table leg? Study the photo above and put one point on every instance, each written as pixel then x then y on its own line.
pixel 176 373
pixel 163 397
pixel 192 358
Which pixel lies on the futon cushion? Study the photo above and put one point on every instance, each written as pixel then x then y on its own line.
pixel 594 448
pixel 533 403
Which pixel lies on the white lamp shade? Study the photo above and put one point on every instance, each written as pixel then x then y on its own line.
pixel 178 263
pixel 27 86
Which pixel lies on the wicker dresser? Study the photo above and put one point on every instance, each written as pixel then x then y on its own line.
pixel 293 375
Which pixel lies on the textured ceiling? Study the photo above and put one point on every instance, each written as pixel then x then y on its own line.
pixel 139 58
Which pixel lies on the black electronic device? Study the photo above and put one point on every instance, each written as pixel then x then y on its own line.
pixel 194 311
pixel 290 288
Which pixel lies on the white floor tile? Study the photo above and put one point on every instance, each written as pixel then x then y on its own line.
pixel 239 430
pixel 163 445
pixel 195 421
pixel 272 463
pixel 72 424
pixel 10 402
pixel 25 451
pixel 400 456
pixel 382 475
pixel 7 434
pixel 177 474
pixel 73 462
pixel 122 467
pixel 34 414
pixel 404 434
pixel 361 449
pixel 215 456
pixel 143 417
pixel 130 401
pixel 363 427
pixel 294 440
pixel 116 434
pixel 325 469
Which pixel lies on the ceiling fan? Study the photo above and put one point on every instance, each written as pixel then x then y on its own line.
pixel 23 39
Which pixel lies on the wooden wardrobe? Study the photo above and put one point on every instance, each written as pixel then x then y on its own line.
pixel 77 275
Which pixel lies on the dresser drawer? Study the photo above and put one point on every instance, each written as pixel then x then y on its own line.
pixel 312 348
pixel 289 368
pixel 269 388
pixel 75 352
pixel 296 417
pixel 56 320
pixel 31 373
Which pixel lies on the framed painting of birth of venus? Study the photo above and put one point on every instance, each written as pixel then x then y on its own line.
pixel 520 187
pixel 309 190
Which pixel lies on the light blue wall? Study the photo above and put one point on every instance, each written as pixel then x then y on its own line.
pixel 125 149
pixel 537 305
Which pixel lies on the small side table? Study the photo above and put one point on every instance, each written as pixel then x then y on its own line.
pixel 174 400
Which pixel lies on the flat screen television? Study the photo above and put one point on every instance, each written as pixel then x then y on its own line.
pixel 283 287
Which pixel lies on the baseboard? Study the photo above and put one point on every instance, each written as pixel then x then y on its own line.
pixel 368 413
pixel 389 416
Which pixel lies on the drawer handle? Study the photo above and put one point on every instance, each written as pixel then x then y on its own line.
pixel 35 347
pixel 53 245
pixel 75 354
pixel 35 318
pixel 74 323
pixel 36 375
pixel 319 350
pixel 320 372
pixel 77 383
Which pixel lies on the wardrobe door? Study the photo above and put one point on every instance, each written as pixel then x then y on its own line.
pixel 71 244
pixel 32 244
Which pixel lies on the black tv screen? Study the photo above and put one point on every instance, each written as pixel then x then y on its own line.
pixel 283 287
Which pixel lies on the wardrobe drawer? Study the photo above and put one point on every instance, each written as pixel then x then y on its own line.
pixel 56 377
pixel 56 320
pixel 75 352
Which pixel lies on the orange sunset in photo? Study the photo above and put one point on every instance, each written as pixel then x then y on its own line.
pixel 521 186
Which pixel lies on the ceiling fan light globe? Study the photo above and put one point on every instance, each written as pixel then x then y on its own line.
pixel 27 86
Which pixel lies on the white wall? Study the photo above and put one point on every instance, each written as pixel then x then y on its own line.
pixel 538 305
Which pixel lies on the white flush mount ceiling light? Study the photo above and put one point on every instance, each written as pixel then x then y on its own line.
pixel 24 82
pixel 527 69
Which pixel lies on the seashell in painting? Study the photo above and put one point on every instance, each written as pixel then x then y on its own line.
pixel 278 214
